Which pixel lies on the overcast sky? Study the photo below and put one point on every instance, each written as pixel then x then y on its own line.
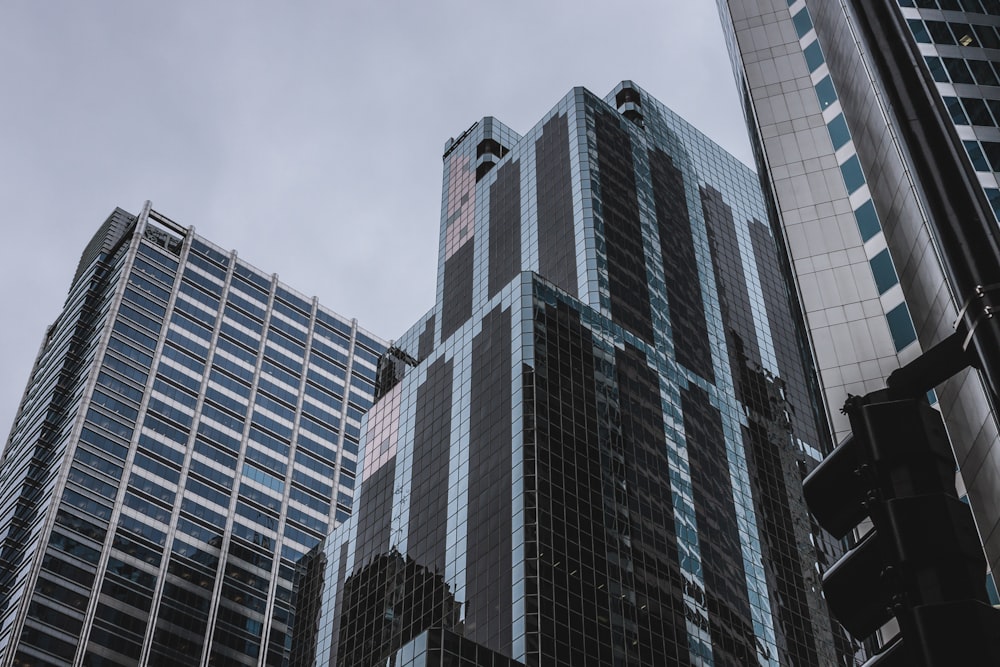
pixel 306 135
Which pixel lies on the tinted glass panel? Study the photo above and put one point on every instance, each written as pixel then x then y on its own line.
pixel 803 23
pixel 826 93
pixel 853 176
pixel 885 274
pixel 868 223
pixel 814 56
pixel 919 31
pixel 900 326
pixel 839 133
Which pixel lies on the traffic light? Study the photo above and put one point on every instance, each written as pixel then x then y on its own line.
pixel 922 561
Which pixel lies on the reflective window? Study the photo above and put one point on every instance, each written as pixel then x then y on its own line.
pixel 161 449
pixel 976 155
pixel 956 111
pixel 977 112
pixel 983 72
pixel 198 279
pixel 867 218
pixel 900 326
pixel 260 282
pixel 958 70
pixel 992 150
pixel 919 31
pixel 103 443
pixel 839 133
pixel 206 266
pixel 814 56
pixel 130 352
pixel 264 460
pixel 153 271
pixel 209 300
pixel 88 458
pixel 200 246
pixel 964 34
pixel 155 255
pixel 157 468
pixel 135 335
pixel 803 23
pixel 937 69
pixel 940 33
pixel 882 269
pixel 335 323
pixel 291 313
pixel 307 520
pixel 826 92
pixel 987 36
pixel 994 196
pixel 258 475
pixel 854 178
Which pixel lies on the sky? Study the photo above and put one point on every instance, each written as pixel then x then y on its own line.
pixel 305 135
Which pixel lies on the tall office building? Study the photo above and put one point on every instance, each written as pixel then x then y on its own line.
pixel 590 451
pixel 189 430
pixel 852 210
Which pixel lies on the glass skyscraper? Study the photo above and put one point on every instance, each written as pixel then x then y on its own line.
pixel 590 451
pixel 851 210
pixel 190 429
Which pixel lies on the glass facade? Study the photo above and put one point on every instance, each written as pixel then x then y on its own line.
pixel 861 250
pixel 590 451
pixel 189 431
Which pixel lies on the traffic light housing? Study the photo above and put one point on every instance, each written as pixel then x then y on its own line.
pixel 922 562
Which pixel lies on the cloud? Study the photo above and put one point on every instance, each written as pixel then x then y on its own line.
pixel 306 135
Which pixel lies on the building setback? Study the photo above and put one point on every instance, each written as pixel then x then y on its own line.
pixel 590 451
pixel 850 208
pixel 189 430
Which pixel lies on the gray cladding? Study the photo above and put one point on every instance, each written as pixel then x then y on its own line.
pixel 860 246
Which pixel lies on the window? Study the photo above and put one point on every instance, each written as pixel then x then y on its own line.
pixel 814 56
pixel 976 155
pixel 919 31
pixel 958 70
pixel 867 218
pixel 900 326
pixel 853 176
pixel 994 196
pixel 987 36
pixel 803 23
pixel 992 150
pixel 956 111
pixel 964 34
pixel 976 109
pixel 939 32
pixel 838 131
pixel 883 271
pixel 826 92
pixel 983 73
pixel 937 69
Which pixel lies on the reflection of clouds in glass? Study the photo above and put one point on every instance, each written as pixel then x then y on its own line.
pixel 461 220
pixel 381 436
